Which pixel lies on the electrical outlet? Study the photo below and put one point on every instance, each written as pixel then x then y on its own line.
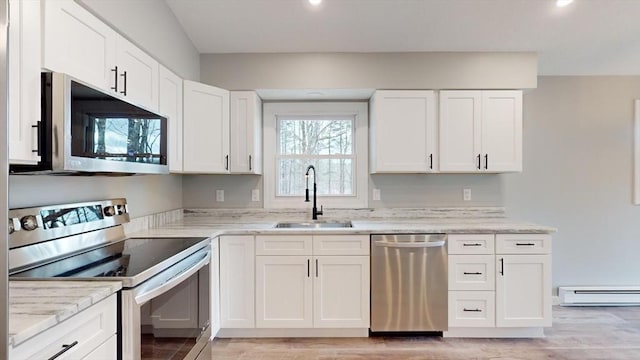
pixel 219 195
pixel 255 195
pixel 376 194
pixel 466 194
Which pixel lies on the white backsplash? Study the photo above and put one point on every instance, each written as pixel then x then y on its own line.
pixel 153 220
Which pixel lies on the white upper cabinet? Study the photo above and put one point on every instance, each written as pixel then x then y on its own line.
pixel 246 133
pixel 170 105
pixel 205 129
pixel 81 45
pixel 24 81
pixel 137 74
pixel 502 130
pixel 481 131
pixel 403 132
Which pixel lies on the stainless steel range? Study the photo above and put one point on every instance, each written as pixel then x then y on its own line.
pixel 86 241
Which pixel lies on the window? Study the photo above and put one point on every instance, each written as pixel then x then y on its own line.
pixel 330 136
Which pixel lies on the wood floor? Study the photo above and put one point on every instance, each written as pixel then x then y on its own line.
pixel 577 333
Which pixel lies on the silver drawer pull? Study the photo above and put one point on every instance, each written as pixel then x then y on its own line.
pixel 65 348
pixel 471 310
pixel 472 273
pixel 471 244
pixel 525 244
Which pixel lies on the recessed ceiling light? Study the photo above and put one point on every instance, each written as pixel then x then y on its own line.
pixel 559 3
pixel 315 2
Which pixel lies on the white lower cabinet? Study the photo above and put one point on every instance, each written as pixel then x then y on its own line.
pixel 341 292
pixel 215 287
pixel 508 289
pixel 297 289
pixel 237 281
pixel 523 290
pixel 472 309
pixel 90 334
pixel 284 292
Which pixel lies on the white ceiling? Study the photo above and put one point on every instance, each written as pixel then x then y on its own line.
pixel 588 37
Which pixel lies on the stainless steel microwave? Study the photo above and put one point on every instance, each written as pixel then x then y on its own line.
pixel 87 130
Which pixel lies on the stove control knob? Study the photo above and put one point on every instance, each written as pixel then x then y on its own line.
pixel 11 226
pixel 122 209
pixel 29 222
pixel 109 211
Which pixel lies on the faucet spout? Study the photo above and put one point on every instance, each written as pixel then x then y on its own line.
pixel 314 210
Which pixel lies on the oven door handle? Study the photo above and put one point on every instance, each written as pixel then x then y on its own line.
pixel 172 281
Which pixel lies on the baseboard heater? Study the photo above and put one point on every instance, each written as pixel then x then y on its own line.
pixel 599 295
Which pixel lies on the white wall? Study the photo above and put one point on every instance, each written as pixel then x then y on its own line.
pixel 152 26
pixel 578 153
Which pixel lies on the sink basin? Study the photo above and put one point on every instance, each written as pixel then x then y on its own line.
pixel 315 225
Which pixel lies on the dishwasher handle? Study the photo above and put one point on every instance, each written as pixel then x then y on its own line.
pixel 423 244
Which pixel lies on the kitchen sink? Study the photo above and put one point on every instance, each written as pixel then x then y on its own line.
pixel 314 225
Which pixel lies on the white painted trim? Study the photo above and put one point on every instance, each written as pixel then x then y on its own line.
pixel 357 109
pixel 636 154
pixel 267 333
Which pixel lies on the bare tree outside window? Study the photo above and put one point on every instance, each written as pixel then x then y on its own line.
pixel 132 140
pixel 327 143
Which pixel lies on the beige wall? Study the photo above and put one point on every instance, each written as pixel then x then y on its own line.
pixel 578 147
pixel 370 71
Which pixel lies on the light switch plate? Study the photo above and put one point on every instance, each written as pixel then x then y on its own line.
pixel 466 194
pixel 220 195
pixel 255 195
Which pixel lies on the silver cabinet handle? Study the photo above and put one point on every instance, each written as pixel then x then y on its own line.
pixel 124 75
pixel 425 244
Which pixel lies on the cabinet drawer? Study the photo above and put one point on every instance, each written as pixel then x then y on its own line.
pixel 283 245
pixel 471 309
pixel 90 328
pixel 341 245
pixel 523 244
pixel 107 351
pixel 471 244
pixel 472 272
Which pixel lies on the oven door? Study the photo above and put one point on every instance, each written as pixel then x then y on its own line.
pixel 170 311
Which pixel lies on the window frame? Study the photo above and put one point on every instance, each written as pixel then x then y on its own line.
pixel 357 110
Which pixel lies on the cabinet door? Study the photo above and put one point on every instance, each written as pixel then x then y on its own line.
pixel 341 292
pixel 215 287
pixel 246 133
pixel 170 105
pixel 502 131
pixel 460 121
pixel 24 81
pixel 79 44
pixel 138 74
pixel 523 290
pixel 206 129
pixel 283 292
pixel 237 296
pixel 403 132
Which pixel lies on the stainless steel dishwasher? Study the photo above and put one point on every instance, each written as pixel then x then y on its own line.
pixel 409 283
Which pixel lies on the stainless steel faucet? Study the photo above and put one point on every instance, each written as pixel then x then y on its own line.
pixel 314 211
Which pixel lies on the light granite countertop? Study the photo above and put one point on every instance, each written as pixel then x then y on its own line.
pixel 212 223
pixel 35 306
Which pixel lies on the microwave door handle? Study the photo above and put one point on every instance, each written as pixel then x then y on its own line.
pixel 171 282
